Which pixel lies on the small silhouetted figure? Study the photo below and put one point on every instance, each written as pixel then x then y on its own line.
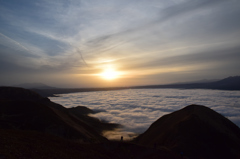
pixel 181 153
pixel 121 138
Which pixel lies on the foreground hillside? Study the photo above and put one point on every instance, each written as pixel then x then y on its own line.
pixel 19 144
pixel 32 126
pixel 25 110
pixel 26 144
pixel 196 132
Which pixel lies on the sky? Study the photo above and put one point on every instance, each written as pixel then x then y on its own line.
pixel 106 43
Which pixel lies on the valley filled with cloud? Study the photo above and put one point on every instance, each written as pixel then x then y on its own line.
pixel 137 109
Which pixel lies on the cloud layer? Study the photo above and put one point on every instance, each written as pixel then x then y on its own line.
pixel 137 109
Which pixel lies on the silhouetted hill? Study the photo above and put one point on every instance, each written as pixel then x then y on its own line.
pixel 230 83
pixel 197 131
pixel 15 93
pixel 19 144
pixel 82 112
pixel 34 127
pixel 34 86
pixel 25 144
pixel 26 110
pixel 232 79
pixel 198 81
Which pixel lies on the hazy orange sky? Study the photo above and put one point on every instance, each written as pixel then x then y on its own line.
pixel 75 43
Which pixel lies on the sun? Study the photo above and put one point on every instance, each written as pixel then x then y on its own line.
pixel 109 74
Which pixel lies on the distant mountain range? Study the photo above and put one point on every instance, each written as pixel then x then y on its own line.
pixel 230 83
pixel 199 81
pixel 31 126
pixel 34 86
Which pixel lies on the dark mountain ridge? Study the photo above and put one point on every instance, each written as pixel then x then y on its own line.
pixel 32 126
pixel 26 110
pixel 15 93
pixel 192 132
pixel 229 83
pixel 33 86
pixel 196 131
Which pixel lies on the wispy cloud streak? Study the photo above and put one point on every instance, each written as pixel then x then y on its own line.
pixel 15 42
pixel 79 36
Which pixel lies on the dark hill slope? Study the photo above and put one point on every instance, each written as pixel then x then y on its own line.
pixel 82 112
pixel 26 110
pixel 19 144
pixel 15 93
pixel 25 144
pixel 34 127
pixel 33 86
pixel 230 83
pixel 197 131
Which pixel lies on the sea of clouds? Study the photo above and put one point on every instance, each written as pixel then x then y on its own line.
pixel 137 109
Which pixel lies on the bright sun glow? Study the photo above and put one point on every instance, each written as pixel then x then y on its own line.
pixel 109 74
